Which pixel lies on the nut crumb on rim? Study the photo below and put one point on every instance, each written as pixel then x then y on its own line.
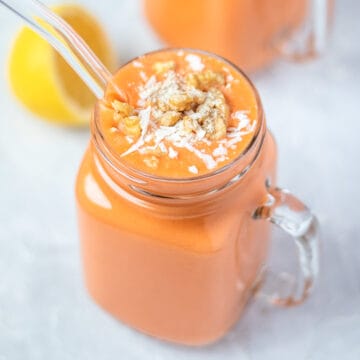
pixel 163 66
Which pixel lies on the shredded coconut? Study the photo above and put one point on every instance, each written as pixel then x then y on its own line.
pixel 220 151
pixel 143 76
pixel 229 78
pixel 194 62
pixel 193 169
pixel 163 148
pixel 208 160
pixel 221 159
pixel 129 139
pixel 137 64
pixel 172 153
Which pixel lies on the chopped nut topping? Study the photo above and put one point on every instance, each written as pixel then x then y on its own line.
pixel 205 80
pixel 191 125
pixel 161 67
pixel 192 80
pixel 177 110
pixel 121 109
pixel 181 102
pixel 195 100
pixel 213 114
pixel 172 94
pixel 127 122
pixel 131 125
pixel 170 118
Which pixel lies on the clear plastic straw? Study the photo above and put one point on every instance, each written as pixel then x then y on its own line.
pixel 66 41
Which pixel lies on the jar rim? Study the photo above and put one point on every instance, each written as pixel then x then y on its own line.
pixel 107 152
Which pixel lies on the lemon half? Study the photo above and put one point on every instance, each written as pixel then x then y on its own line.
pixel 42 80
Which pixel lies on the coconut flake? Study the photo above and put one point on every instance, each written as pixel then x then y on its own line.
pixel 194 62
pixel 221 158
pixel 193 169
pixel 129 139
pixel 220 151
pixel 229 78
pixel 137 64
pixel 143 75
pixel 162 148
pixel 242 116
pixel 172 153
pixel 208 160
pixel 148 88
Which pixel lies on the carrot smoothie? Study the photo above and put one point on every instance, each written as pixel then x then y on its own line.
pixel 166 193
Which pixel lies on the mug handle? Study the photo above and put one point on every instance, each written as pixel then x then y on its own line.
pixel 310 39
pixel 292 216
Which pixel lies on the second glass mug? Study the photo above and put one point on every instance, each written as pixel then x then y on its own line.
pixel 139 235
pixel 250 33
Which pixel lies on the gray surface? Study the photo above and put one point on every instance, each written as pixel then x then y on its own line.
pixel 45 312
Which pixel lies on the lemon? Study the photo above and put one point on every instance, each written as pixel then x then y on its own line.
pixel 42 80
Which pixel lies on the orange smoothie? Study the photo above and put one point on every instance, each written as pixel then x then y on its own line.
pixel 245 31
pixel 166 194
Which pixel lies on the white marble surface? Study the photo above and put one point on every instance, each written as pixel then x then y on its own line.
pixel 45 312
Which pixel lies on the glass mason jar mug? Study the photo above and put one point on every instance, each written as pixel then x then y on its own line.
pixel 179 258
pixel 251 33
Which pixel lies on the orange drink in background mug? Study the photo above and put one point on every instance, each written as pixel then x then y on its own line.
pixel 176 194
pixel 251 33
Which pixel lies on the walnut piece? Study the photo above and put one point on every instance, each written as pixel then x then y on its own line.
pixel 169 118
pixel 181 102
pixel 127 122
pixel 121 109
pixel 205 80
pixel 192 80
pixel 163 66
pixel 131 125
pixel 172 94
pixel 213 114
pixel 191 125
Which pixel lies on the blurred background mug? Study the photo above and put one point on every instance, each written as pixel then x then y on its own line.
pixel 251 33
